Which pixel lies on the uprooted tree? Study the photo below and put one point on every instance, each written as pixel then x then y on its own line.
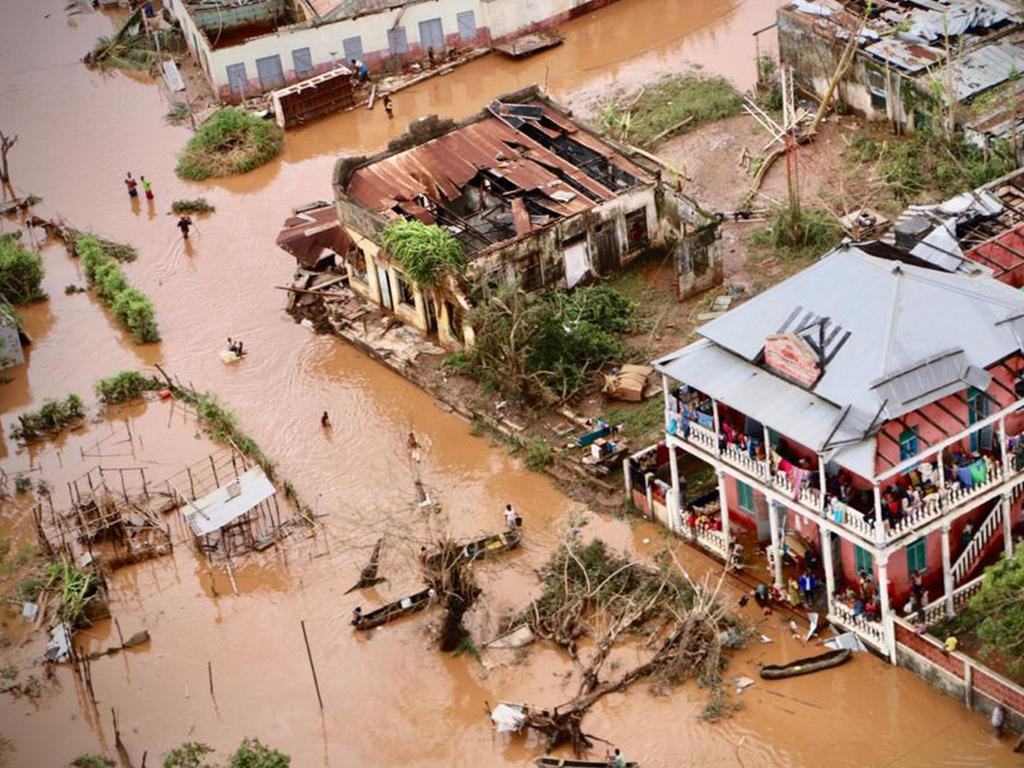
pixel 681 627
pixel 451 575
pixel 6 144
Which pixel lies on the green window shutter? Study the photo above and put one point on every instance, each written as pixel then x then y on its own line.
pixel 746 496
pixel 864 560
pixel 916 560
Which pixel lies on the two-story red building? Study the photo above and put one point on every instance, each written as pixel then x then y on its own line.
pixel 863 418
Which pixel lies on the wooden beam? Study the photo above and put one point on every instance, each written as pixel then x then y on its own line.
pixel 920 412
pixel 938 404
pixel 1006 389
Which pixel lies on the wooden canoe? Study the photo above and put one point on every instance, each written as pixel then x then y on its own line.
pixel 485 546
pixel 558 762
pixel 806 666
pixel 391 611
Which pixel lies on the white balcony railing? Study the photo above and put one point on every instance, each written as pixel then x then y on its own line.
pixel 872 632
pixel 935 611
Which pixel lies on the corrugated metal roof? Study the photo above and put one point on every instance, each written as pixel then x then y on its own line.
pixel 929 380
pixel 307 234
pixel 985 68
pixel 219 508
pixel 909 56
pixel 898 315
pixel 784 407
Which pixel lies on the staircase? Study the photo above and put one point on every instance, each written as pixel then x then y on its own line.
pixel 978 548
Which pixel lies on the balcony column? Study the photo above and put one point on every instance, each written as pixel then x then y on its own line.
pixel 883 593
pixel 773 524
pixel 723 501
pixel 830 569
pixel 767 454
pixel 717 425
pixel 673 500
pixel 1007 525
pixel 947 574
pixel 628 477
pixel 879 524
pixel 1002 446
pixel 821 484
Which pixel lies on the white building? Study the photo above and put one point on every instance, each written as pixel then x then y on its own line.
pixel 246 47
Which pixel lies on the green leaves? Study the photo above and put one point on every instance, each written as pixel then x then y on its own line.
pixel 231 141
pixel 54 416
pixel 424 251
pixel 125 386
pixel 999 606
pixel 131 307
pixel 21 272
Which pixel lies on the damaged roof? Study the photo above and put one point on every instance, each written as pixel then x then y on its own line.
pixel 308 233
pixel 518 168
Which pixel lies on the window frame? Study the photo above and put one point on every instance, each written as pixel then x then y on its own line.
pixel 404 288
pixel 864 560
pixel 745 498
pixel 640 214
pixel 917 555
pixel 910 443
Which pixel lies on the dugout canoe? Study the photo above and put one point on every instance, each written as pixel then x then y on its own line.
pixel 391 611
pixel 485 546
pixel 557 762
pixel 807 665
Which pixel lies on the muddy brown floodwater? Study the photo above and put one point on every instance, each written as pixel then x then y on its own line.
pixel 391 700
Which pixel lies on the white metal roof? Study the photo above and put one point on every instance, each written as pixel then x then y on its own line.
pixel 228 503
pixel 900 318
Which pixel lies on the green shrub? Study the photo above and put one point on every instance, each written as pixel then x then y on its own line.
pixel 539 454
pixel 998 610
pixel 198 205
pixel 254 754
pixel 54 416
pixel 424 251
pixel 797 233
pixel 125 386
pixel 21 271
pixel 188 755
pixel 231 141
pixel 132 308
pixel 75 588
pixel 91 761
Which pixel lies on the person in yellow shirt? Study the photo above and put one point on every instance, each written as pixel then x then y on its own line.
pixel 950 645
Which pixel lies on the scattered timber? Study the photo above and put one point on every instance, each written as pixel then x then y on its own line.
pixel 391 611
pixel 557 762
pixel 8 207
pixel 368 576
pixel 807 665
pixel 485 546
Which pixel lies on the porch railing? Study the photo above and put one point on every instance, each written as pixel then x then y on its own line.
pixel 969 557
pixel 709 539
pixel 935 611
pixel 872 632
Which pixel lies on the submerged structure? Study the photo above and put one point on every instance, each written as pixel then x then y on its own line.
pixel 914 63
pixel 534 199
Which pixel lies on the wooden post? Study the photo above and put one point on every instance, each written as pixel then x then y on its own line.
pixel 191 483
pixel 117 626
pixel 312 668
pixel 209 672
pixel 213 466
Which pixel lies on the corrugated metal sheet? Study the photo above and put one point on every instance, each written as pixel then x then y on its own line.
pixel 219 508
pixel 439 169
pixel 784 407
pixel 936 377
pixel 908 56
pixel 897 315
pixel 984 68
pixel 306 235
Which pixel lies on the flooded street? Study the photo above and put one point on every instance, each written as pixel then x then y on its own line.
pixel 393 699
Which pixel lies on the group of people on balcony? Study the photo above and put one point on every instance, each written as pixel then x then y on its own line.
pixel 863 601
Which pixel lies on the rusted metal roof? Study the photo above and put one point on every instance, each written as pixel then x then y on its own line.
pixel 986 67
pixel 440 169
pixel 910 57
pixel 308 234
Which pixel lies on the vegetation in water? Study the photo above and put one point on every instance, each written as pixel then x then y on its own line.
pixel 75 589
pixel 538 454
pixel 131 307
pixel 798 233
pixel 92 761
pixel 251 753
pixel 21 271
pixel 53 417
pixel 231 141
pixel 196 205
pixel 546 346
pixel 424 251
pixel 178 113
pixel 117 251
pixel 675 104
pixel 125 386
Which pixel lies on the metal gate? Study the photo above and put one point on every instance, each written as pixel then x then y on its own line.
pixel 270 72
pixel 353 47
pixel 238 81
pixel 432 34
pixel 302 59
pixel 467 26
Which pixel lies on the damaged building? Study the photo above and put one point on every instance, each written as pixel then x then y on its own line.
pixel 247 47
pixel 914 60
pixel 534 198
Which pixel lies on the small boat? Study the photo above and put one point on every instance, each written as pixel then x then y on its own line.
pixel 558 762
pixel 806 666
pixel 529 44
pixel 485 546
pixel 391 611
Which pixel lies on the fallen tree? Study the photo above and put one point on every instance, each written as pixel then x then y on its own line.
pixel 682 629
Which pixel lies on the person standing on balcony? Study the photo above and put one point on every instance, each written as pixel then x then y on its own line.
pixel 966 534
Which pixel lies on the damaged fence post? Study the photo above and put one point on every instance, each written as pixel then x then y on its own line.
pixel 312 668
